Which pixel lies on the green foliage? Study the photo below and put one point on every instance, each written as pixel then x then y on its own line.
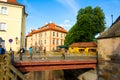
pixel 90 21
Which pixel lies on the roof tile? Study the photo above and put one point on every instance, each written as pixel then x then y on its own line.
pixel 49 26
pixel 84 44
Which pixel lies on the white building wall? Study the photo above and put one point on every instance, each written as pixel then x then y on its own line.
pixel 13 20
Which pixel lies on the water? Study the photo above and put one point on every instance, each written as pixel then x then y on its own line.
pixel 63 75
pixel 46 75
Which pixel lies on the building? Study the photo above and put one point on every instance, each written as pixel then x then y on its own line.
pixel 12 24
pixel 83 48
pixel 109 40
pixel 47 37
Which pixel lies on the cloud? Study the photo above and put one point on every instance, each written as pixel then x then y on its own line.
pixel 67 24
pixel 70 3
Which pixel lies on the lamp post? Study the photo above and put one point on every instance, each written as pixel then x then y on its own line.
pixel 112 18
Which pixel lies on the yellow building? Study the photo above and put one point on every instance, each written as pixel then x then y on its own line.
pixel 83 48
pixel 47 37
pixel 12 24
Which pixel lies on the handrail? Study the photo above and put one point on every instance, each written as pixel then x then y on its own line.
pixel 7 70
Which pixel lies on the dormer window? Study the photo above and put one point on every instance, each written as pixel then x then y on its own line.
pixel 4 0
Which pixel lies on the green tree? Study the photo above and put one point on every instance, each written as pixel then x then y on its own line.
pixel 90 21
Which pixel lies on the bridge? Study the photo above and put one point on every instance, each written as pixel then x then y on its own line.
pixel 26 66
pixel 38 64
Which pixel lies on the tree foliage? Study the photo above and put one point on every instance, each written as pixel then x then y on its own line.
pixel 90 21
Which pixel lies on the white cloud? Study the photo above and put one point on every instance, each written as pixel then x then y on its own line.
pixel 70 3
pixel 67 24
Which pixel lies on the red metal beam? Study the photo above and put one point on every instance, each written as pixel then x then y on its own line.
pixel 59 67
pixel 54 65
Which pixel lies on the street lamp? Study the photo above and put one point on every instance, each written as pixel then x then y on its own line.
pixel 112 18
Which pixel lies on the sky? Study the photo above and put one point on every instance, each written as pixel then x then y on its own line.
pixel 64 12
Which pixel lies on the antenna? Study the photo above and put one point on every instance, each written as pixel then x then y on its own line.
pixel 112 18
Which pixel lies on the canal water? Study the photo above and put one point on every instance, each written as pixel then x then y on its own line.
pixel 46 75
pixel 63 75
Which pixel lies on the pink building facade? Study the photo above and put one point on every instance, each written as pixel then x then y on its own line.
pixel 47 37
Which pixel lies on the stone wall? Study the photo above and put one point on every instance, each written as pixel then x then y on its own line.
pixel 108 47
pixel 110 70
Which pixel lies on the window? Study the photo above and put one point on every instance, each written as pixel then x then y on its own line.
pixel 92 50
pixel 41 42
pixel 45 34
pixel 3 10
pixel 4 0
pixel 53 33
pixel 44 41
pixel 57 41
pixel 57 34
pixel 53 41
pixel 41 34
pixel 2 26
pixel 61 42
pixel 81 50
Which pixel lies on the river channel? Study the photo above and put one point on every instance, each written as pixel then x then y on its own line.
pixel 46 75
pixel 62 75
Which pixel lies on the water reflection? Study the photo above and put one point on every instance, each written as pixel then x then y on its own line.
pixel 46 75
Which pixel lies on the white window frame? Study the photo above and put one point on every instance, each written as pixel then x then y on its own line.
pixel 4 10
pixel 4 0
pixel 3 26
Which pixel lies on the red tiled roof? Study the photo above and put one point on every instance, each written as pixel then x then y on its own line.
pixel 31 33
pixel 11 2
pixel 49 26
pixel 113 31
pixel 84 44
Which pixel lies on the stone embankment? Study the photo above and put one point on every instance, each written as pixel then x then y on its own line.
pixel 89 75
pixel 110 70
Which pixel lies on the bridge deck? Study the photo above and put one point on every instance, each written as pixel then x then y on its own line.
pixel 41 62
pixel 25 66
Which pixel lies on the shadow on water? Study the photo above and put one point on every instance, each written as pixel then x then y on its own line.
pixel 73 74
pixel 56 74
pixel 45 75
